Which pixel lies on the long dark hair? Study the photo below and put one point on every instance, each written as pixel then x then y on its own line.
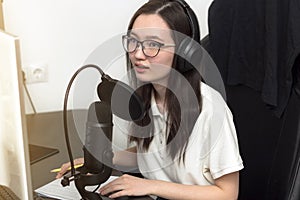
pixel 183 111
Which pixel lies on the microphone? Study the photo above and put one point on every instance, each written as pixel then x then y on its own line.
pixel 97 149
pixel 98 137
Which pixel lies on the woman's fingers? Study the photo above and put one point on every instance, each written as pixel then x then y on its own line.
pixel 66 166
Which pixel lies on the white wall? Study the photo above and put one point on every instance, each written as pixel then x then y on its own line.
pixel 62 34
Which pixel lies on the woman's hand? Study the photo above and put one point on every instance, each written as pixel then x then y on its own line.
pixel 127 185
pixel 64 168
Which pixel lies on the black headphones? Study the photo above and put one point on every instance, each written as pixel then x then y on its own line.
pixel 189 50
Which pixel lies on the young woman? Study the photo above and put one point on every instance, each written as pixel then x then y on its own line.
pixel 186 146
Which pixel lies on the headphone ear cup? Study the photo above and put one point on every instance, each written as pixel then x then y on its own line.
pixel 189 55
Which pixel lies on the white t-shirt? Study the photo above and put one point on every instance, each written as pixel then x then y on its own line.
pixel 212 150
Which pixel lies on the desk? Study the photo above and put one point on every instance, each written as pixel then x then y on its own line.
pixel 38 153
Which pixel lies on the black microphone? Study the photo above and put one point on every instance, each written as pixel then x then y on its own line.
pixel 98 137
pixel 125 102
pixel 97 149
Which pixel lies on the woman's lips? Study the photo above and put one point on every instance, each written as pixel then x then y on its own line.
pixel 140 68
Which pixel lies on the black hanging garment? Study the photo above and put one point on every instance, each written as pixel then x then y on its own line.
pixel 255 43
pixel 284 183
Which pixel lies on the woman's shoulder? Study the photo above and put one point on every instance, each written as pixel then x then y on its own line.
pixel 210 94
pixel 213 103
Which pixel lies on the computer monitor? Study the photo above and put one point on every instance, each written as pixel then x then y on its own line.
pixel 14 156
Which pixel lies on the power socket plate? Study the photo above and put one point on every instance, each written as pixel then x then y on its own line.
pixel 36 74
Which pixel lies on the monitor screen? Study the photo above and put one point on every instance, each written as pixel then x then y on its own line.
pixel 14 156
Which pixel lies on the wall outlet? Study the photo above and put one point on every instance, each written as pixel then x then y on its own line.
pixel 36 74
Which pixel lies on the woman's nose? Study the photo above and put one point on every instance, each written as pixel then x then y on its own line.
pixel 138 53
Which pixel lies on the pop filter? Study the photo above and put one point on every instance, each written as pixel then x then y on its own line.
pixel 125 102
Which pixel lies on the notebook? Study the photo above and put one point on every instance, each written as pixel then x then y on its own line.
pixel 55 190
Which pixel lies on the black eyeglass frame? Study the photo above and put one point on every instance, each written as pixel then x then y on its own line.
pixel 160 45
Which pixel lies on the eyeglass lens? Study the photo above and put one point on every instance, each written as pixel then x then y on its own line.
pixel 149 47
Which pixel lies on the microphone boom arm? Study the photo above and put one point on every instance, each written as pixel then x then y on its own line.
pixel 117 98
pixel 84 177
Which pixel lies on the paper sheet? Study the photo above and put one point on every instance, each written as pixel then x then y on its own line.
pixel 55 190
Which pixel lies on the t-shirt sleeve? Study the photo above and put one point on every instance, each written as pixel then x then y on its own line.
pixel 224 156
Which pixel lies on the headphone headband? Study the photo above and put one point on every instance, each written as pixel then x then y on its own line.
pixel 192 19
pixel 189 50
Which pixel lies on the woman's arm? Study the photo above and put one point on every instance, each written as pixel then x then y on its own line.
pixel 226 187
pixel 125 158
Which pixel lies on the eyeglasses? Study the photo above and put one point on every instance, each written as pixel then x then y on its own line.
pixel 150 48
